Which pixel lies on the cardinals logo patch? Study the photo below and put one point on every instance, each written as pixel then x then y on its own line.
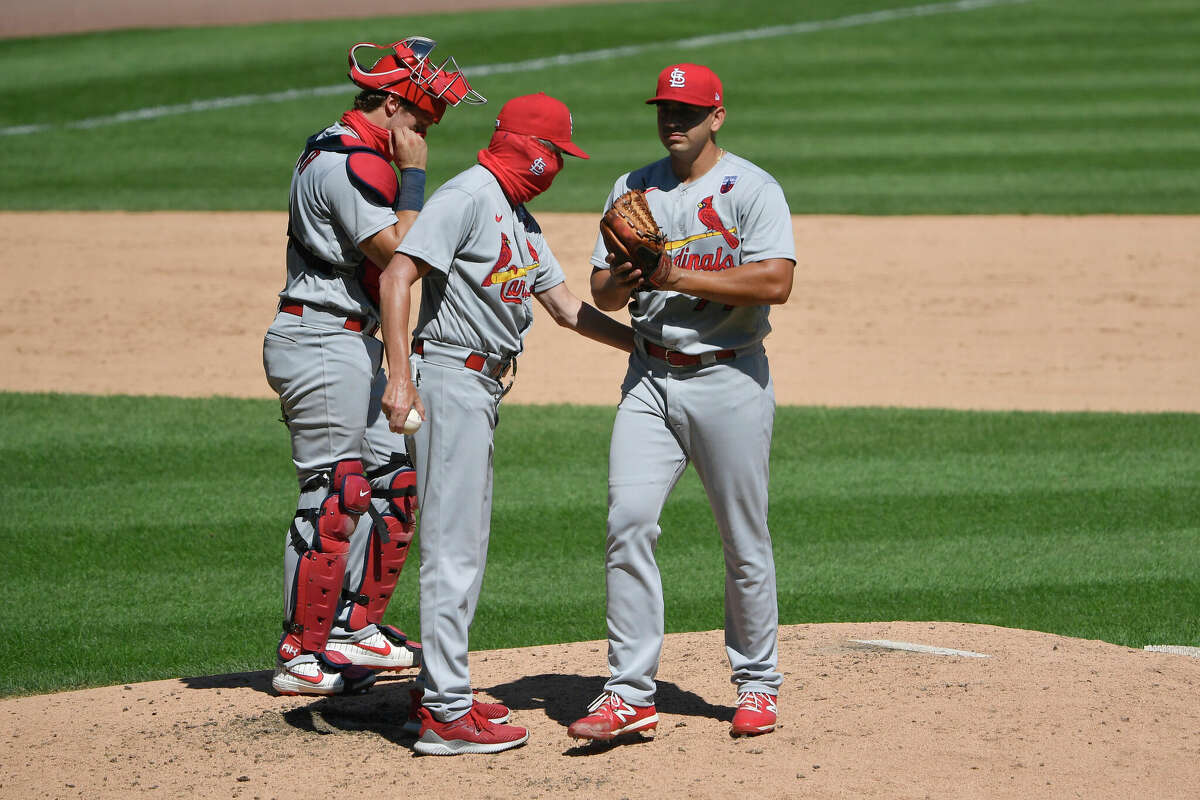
pixel 510 276
pixel 709 218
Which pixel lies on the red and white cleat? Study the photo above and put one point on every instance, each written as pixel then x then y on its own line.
pixel 379 647
pixel 470 733
pixel 611 716
pixel 756 713
pixel 492 712
pixel 319 674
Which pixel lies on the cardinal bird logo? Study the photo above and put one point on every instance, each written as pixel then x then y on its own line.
pixel 708 216
pixel 505 272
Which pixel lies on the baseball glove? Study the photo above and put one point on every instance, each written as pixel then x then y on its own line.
pixel 631 234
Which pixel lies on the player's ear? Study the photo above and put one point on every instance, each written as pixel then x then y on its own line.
pixel 718 119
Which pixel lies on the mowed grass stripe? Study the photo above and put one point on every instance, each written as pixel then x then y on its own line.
pixel 151 530
pixel 1051 107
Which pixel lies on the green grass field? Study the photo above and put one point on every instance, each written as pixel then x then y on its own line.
pixel 1047 106
pixel 145 534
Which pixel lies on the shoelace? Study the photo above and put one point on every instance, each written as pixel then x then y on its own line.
pixel 607 697
pixel 753 700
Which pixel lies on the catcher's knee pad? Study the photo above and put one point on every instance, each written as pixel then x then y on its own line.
pixel 322 565
pixel 387 550
pixel 349 496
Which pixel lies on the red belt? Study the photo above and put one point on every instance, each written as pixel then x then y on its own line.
pixel 356 324
pixel 678 359
pixel 474 361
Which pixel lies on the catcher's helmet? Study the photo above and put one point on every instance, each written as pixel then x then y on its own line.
pixel 404 69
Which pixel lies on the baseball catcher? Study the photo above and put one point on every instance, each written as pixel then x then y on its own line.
pixel 356 189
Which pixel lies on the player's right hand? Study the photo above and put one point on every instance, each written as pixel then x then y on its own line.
pixel 398 397
pixel 408 148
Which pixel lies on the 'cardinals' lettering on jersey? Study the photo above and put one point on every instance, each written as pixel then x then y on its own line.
pixel 330 216
pixel 487 261
pixel 734 214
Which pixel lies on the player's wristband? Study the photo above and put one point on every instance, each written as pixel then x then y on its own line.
pixel 412 189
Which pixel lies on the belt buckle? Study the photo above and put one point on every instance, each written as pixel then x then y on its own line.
pixel 508 363
pixel 677 359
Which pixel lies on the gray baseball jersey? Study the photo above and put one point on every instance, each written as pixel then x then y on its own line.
pixel 487 260
pixel 717 414
pixel 330 215
pixel 734 214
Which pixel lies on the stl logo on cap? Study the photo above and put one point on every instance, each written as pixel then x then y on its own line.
pixel 538 166
pixel 694 84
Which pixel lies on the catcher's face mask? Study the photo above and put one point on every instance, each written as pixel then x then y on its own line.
pixel 405 69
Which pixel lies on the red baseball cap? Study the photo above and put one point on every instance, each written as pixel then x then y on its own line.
pixel 694 84
pixel 541 116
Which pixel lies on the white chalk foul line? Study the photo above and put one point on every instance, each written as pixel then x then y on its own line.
pixel 531 65
pixel 1177 649
pixel 920 648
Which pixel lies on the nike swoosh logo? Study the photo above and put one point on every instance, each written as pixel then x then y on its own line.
pixel 379 651
pixel 364 493
pixel 320 677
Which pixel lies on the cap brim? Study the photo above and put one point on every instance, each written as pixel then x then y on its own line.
pixel 572 150
pixel 689 101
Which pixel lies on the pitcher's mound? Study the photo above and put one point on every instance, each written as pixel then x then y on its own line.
pixel 887 710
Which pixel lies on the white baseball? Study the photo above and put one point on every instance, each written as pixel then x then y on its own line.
pixel 413 423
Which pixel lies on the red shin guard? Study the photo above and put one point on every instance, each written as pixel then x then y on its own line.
pixel 322 568
pixel 386 559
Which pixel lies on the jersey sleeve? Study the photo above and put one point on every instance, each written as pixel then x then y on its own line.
pixel 441 228
pixel 550 273
pixel 600 251
pixel 766 226
pixel 360 214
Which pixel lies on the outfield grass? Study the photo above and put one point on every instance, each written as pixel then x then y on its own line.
pixel 1049 106
pixel 145 535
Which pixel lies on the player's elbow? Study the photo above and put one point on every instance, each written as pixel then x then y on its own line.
pixel 560 317
pixel 778 286
pixel 779 294
pixel 608 304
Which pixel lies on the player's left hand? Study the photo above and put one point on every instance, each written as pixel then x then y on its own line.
pixel 624 274
pixel 398 397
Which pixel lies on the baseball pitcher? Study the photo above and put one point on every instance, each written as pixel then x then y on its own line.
pixel 698 390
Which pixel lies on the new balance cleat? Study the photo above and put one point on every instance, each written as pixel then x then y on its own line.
pixel 610 716
pixel 470 733
pixel 756 713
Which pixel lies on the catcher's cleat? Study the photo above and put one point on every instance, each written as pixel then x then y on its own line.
pixel 492 712
pixel 756 713
pixel 319 674
pixel 611 716
pixel 470 733
pixel 379 647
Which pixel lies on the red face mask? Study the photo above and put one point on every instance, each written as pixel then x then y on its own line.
pixel 524 166
pixel 372 135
